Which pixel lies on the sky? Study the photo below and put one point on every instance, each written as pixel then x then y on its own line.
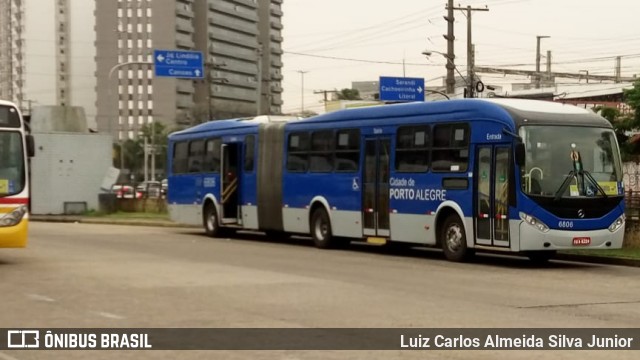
pixel 336 42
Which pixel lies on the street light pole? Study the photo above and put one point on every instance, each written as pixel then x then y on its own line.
pixel 538 56
pixel 302 88
pixel 428 53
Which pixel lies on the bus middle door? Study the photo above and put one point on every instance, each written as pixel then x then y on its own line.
pixel 375 192
pixel 491 194
pixel 230 181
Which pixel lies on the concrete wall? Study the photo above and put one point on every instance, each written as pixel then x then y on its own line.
pixel 68 167
pixel 47 119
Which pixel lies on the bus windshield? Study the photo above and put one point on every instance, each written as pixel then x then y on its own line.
pixel 588 156
pixel 11 163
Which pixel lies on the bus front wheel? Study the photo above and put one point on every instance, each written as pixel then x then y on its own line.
pixel 321 229
pixel 210 220
pixel 454 239
pixel 541 257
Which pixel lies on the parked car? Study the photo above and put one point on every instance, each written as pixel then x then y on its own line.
pixel 125 192
pixel 165 185
pixel 150 189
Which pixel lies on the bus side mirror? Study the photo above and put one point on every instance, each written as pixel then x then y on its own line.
pixel 520 154
pixel 31 146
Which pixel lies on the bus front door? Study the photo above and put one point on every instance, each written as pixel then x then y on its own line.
pixel 491 188
pixel 375 192
pixel 229 191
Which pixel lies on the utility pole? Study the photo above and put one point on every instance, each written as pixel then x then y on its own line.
pixel 324 92
pixel 146 159
pixel 618 68
pixel 470 53
pixel 538 37
pixel 302 88
pixel 259 84
pixel 450 37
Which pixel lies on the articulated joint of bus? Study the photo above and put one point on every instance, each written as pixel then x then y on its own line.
pixel 14 217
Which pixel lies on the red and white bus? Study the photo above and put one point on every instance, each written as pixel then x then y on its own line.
pixel 15 147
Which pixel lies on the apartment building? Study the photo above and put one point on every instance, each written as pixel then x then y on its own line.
pixel 98 55
pixel 47 54
pixel 240 41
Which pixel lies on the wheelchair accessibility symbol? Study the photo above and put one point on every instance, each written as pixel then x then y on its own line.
pixel 355 185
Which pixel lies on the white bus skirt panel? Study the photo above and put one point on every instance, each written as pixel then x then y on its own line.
pixel 189 214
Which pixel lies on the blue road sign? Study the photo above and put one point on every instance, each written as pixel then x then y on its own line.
pixel 401 89
pixel 178 63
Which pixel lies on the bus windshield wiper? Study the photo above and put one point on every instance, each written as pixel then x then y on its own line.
pixel 600 189
pixel 564 185
pixel 571 176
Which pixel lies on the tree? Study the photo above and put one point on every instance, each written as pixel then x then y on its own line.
pixel 632 98
pixel 348 94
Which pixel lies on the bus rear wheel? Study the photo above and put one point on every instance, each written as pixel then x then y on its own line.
pixel 210 221
pixel 321 229
pixel 454 240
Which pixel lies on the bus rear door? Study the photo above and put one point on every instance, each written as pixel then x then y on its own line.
pixel 491 194
pixel 375 192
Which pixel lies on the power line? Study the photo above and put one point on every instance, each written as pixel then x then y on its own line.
pixel 357 33
pixel 359 60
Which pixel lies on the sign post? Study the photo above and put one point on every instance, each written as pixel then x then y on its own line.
pixel 401 89
pixel 178 64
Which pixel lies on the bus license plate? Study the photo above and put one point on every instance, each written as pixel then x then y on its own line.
pixel 581 241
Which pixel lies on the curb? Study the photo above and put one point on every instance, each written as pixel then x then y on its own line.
pixel 162 223
pixel 132 222
pixel 598 260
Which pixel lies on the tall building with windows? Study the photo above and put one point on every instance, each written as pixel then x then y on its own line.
pixel 241 44
pixel 98 55
pixel 47 54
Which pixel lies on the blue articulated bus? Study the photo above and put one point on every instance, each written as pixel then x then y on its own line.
pixel 501 175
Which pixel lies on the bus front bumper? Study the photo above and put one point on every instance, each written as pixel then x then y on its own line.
pixel 14 236
pixel 533 239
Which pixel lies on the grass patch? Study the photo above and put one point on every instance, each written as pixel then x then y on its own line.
pixel 630 253
pixel 129 215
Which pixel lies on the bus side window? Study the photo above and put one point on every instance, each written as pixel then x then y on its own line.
pixel 180 156
pixel 412 149
pixel 212 156
pixel 298 152
pixel 347 150
pixel 450 147
pixel 321 154
pixel 196 154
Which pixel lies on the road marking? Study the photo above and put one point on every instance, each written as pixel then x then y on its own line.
pixel 578 304
pixel 109 315
pixel 40 297
pixel 4 356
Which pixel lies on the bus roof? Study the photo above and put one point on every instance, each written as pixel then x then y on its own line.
pixel 510 111
pixel 238 123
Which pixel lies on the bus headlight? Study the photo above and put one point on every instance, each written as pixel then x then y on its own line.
pixel 14 217
pixel 617 224
pixel 534 222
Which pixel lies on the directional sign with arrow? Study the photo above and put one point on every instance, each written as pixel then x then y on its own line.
pixel 178 63
pixel 401 89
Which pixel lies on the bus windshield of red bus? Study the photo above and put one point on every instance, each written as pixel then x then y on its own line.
pixel 9 117
pixel 586 158
pixel 11 163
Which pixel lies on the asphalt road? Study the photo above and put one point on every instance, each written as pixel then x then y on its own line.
pixel 95 276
